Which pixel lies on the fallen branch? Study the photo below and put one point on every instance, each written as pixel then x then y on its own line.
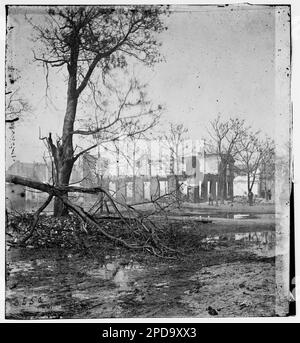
pixel 12 120
pixel 36 217
pixel 144 229
pixel 80 211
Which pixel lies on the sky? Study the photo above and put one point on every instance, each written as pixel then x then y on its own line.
pixel 218 61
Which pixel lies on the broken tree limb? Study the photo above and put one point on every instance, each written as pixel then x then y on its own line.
pixel 146 232
pixel 80 211
pixel 23 181
pixel 12 120
pixel 36 217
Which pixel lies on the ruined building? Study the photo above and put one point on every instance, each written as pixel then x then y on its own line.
pixel 139 170
pixel 133 171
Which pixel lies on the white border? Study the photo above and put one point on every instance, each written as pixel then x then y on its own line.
pixel 295 10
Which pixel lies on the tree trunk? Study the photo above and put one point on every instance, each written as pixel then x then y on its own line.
pixel 63 180
pixel 134 173
pixel 222 182
pixel 64 153
pixel 249 190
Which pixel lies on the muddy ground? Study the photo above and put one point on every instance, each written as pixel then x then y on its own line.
pixel 228 270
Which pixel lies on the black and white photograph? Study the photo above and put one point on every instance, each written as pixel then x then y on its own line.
pixel 148 161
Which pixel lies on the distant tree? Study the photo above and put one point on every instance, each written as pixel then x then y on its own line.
pixel 130 152
pixel 173 139
pixel 89 41
pixel 253 158
pixel 267 168
pixel 224 137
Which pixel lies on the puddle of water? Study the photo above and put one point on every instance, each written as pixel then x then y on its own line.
pixel 263 242
pixel 57 284
pixel 262 237
pixel 227 215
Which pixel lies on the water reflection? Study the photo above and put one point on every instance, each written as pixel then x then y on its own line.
pixel 264 241
pixel 264 237
pixel 227 215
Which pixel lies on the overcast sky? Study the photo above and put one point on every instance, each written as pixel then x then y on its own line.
pixel 217 61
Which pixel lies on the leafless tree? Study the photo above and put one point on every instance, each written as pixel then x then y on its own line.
pixel 86 41
pixel 267 167
pixel 173 139
pixel 253 157
pixel 224 139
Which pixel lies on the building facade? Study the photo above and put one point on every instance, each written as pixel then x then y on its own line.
pixel 141 170
pixel 132 171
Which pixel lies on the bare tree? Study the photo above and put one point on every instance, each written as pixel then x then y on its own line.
pixel 87 40
pixel 125 112
pixel 267 168
pixel 130 155
pixel 224 139
pixel 173 139
pixel 251 154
